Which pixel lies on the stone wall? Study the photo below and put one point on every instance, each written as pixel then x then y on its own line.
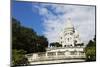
pixel 57 55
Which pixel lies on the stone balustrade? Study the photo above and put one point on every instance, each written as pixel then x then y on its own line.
pixel 44 56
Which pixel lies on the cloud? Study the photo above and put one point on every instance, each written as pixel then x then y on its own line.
pixel 55 16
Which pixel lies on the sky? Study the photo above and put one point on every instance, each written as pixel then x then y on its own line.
pixel 48 19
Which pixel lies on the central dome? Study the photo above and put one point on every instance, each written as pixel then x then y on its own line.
pixel 69 24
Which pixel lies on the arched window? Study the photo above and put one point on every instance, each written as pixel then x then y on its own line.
pixel 71 33
pixel 71 45
pixel 61 42
pixel 64 45
pixel 68 39
pixel 61 37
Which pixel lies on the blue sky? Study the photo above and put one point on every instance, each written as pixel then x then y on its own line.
pixel 28 17
pixel 50 19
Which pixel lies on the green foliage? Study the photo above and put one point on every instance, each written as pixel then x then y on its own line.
pixel 41 40
pixel 18 57
pixel 75 42
pixel 55 44
pixel 82 44
pixel 27 39
pixel 90 50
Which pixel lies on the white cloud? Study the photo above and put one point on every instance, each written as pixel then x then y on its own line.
pixel 83 18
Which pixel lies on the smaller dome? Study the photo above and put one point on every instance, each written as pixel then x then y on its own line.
pixel 76 33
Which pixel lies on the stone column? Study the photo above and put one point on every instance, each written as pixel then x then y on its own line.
pixel 56 54
pixel 46 54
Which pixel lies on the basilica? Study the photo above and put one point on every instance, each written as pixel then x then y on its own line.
pixel 70 51
pixel 69 36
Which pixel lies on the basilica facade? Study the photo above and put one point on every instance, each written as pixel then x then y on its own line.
pixel 69 36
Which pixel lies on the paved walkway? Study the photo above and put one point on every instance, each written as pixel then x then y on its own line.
pixel 58 61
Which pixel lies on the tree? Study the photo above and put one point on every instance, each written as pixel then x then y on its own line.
pixel 18 57
pixel 75 42
pixel 90 50
pixel 82 44
pixel 42 43
pixel 26 38
pixel 55 44
pixel 42 40
pixel 24 41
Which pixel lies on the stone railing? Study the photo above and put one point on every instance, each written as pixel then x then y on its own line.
pixel 45 56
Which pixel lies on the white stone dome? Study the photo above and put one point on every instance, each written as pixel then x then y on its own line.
pixel 69 24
